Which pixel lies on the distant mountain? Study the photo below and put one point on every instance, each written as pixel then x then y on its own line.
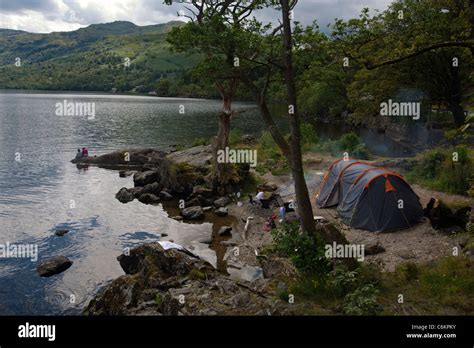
pixel 91 58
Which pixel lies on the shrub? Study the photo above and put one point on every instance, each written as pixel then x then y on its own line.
pixel 430 164
pixel 305 251
pixel 270 156
pixel 308 134
pixel 362 301
pixel 200 141
pixel 268 145
pixel 410 271
pixel 470 227
pixel 197 275
pixel 437 170
pixel 349 141
pixel 158 299
pixel 283 294
pixel 343 281
pixel 360 152
pixel 235 136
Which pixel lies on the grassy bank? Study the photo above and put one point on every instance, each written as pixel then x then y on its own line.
pixel 441 287
pixel 445 169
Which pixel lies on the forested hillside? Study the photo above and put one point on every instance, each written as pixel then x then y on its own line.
pixel 100 57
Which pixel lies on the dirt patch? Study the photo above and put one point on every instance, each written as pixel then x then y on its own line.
pixel 420 243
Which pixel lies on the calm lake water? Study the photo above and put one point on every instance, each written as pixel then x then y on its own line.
pixel 38 184
pixel 36 190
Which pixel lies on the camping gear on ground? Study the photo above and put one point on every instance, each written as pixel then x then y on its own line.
pixel 442 216
pixel 170 245
pixel 270 223
pixel 289 206
pixel 265 200
pixel 282 211
pixel 369 197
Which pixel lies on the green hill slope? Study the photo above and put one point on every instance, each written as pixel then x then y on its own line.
pixel 90 59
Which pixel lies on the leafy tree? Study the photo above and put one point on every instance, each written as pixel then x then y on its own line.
pixel 215 31
pixel 410 30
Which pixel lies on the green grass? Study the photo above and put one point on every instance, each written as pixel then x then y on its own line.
pixel 437 169
pixel 443 288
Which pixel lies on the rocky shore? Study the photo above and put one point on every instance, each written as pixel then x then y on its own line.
pixel 246 279
pixel 159 176
pixel 171 282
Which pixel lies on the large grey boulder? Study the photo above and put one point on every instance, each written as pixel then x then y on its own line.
pixel 196 156
pixel 146 177
pixel 221 202
pixel 192 203
pixel 124 195
pixel 53 265
pixel 153 188
pixel 149 198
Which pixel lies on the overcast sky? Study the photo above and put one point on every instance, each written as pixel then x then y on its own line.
pixel 45 16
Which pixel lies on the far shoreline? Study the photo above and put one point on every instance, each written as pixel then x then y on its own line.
pixel 104 93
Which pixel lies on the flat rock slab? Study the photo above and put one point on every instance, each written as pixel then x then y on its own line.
pixel 122 158
pixel 53 265
pixel 195 156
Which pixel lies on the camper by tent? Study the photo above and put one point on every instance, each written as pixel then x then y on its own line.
pixel 368 197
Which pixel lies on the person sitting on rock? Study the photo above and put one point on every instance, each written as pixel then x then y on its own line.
pixel 264 199
pixel 78 153
pixel 85 152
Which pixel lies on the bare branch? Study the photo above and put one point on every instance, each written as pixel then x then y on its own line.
pixel 466 44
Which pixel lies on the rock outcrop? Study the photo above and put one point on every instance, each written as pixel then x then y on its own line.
pixel 196 156
pixel 182 174
pixel 126 158
pixel 171 282
pixel 53 265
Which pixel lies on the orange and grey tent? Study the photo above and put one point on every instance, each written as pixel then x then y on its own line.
pixel 368 197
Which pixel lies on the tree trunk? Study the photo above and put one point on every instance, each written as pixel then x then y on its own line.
pixel 221 142
pixel 458 113
pixel 302 196
pixel 268 119
pixel 273 129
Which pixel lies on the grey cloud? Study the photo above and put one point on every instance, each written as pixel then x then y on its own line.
pixel 18 6
pixel 325 11
pixel 146 12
